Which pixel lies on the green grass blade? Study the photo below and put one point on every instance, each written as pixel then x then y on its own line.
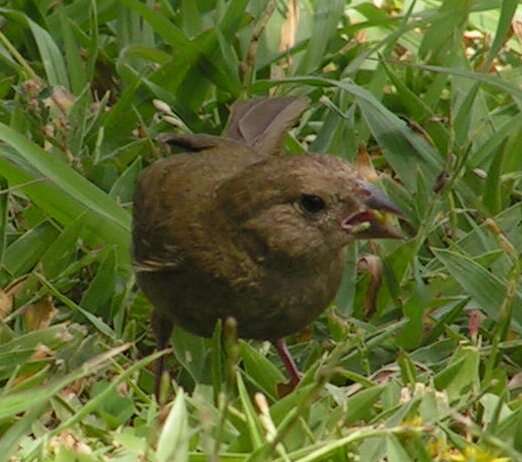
pixel 113 222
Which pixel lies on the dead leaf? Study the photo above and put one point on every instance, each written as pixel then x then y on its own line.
pixel 32 87
pixel 517 28
pixel 284 389
pixel 373 265
pixel 516 382
pixel 361 36
pixel 42 352
pixel 6 304
pixel 70 441
pixel 76 388
pixel 385 375
pixel 60 98
pixel 474 318
pixel 289 27
pixel 364 165
pixel 40 314
pixel 471 35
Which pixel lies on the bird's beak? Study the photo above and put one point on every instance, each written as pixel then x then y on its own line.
pixel 376 219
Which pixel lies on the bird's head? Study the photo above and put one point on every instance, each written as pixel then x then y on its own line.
pixel 303 207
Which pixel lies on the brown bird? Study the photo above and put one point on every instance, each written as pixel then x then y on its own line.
pixel 232 228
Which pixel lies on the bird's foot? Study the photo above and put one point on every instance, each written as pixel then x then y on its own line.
pixel 290 366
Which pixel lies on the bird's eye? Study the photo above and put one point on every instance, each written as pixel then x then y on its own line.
pixel 311 203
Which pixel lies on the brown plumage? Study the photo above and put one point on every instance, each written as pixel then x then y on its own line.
pixel 231 228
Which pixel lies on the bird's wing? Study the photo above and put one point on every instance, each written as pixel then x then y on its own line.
pixel 208 144
pixel 173 200
pixel 262 123
pixel 153 248
pixel 191 142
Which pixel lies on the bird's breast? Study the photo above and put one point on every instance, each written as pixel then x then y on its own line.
pixel 272 305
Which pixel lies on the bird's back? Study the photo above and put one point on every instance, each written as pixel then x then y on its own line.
pixel 173 200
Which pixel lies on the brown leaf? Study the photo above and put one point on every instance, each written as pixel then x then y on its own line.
pixel 474 318
pixel 289 27
pixel 361 36
pixel 42 352
pixel 60 98
pixel 284 389
pixel 373 265
pixel 6 304
pixel 385 375
pixel 69 440
pixel 7 296
pixel 517 28
pixel 40 314
pixel 516 382
pixel 364 165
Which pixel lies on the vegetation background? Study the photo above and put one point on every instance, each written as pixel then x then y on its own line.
pixel 427 92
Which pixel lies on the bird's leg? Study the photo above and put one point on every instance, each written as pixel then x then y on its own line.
pixel 288 361
pixel 162 328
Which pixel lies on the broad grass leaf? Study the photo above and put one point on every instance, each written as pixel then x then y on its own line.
pixel 507 12
pixel 17 351
pixel 21 256
pixel 60 254
pixel 408 369
pixel 281 408
pixel 461 374
pixel 416 107
pixel 64 194
pixel 81 12
pixel 510 429
pixel 395 451
pixel 117 124
pixel 122 190
pixel 403 149
pixel 173 443
pixel 482 156
pixel 98 294
pixel 8 443
pixel 191 18
pixel 494 82
pixel 75 65
pixel 433 407
pixel 260 369
pixel 359 406
pixel 326 18
pixel 253 425
pixel 192 54
pixel 462 123
pixel 345 297
pixel 232 17
pixel 401 145
pixel 492 193
pixel 479 240
pixel 4 197
pixel 115 410
pixel 217 360
pixel 12 404
pixel 52 58
pixel 96 321
pixel 193 353
pixel 439 39
pixel 485 288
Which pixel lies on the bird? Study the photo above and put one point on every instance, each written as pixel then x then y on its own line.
pixel 233 227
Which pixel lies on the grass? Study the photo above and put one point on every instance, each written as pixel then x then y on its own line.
pixel 427 369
